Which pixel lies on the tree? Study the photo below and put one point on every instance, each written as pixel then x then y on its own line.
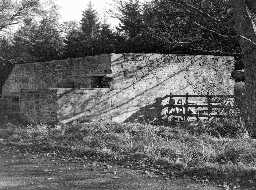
pixel 130 17
pixel 40 39
pixel 191 26
pixel 13 12
pixel 134 33
pixel 199 25
pixel 37 35
pixel 73 44
pixel 90 23
pixel 90 29
pixel 6 51
pixel 92 37
pixel 67 27
pixel 38 42
pixel 244 16
pixel 107 39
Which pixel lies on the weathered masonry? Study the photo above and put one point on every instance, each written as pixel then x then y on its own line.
pixel 31 89
pixel 39 106
pixel 116 87
pixel 87 72
pixel 30 106
pixel 138 80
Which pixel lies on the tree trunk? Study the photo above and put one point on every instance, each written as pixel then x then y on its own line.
pixel 244 27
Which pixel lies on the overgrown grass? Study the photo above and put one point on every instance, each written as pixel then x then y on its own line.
pixel 170 151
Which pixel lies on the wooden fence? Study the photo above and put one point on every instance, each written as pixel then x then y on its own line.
pixel 207 106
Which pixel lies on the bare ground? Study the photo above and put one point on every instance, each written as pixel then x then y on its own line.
pixel 24 171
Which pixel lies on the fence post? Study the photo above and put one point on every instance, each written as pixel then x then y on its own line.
pixel 209 105
pixel 169 107
pixel 186 109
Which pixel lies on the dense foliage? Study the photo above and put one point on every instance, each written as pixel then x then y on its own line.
pixel 178 26
pixel 12 12
pixel 189 26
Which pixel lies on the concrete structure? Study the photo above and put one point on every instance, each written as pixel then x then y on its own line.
pixel 87 72
pixel 39 106
pixel 84 89
pixel 34 85
pixel 138 79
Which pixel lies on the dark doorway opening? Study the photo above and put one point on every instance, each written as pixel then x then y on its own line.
pixel 100 82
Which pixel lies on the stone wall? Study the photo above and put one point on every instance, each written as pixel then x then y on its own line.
pixel 36 107
pixel 5 70
pixel 138 79
pixel 32 84
pixel 9 105
pixel 9 110
pixel 39 106
pixel 69 73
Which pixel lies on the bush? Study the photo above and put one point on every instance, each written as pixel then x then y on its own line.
pixel 221 127
pixel 240 150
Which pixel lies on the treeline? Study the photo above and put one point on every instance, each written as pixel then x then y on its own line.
pixel 159 26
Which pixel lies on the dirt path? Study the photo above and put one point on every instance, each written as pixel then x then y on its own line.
pixel 20 171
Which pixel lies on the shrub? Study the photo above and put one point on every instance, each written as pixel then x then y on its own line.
pixel 218 127
pixel 240 150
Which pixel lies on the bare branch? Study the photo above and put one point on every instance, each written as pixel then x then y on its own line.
pixel 190 8
pixel 215 32
pixel 12 13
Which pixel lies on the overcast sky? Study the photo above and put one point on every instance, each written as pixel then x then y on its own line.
pixel 71 10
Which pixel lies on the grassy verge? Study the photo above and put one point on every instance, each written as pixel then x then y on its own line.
pixel 173 152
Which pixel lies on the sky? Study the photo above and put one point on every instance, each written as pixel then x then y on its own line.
pixel 71 10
